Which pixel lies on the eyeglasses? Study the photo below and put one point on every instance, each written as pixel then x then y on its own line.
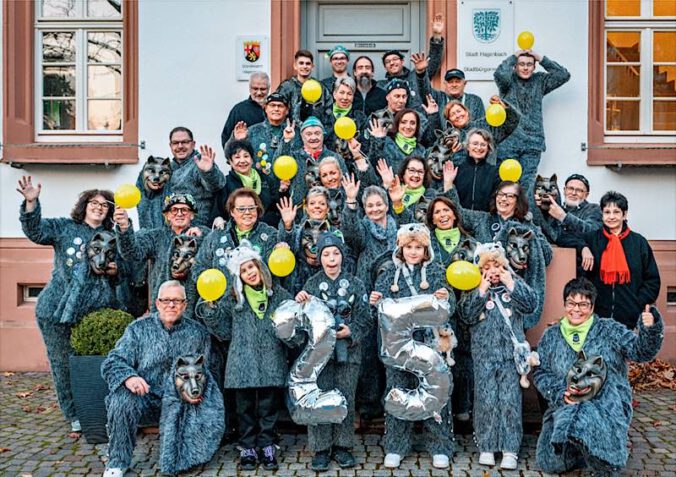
pixel 393 60
pixel 525 65
pixel 415 172
pixel 575 190
pixel 244 210
pixel 478 144
pixel 506 195
pixel 99 205
pixel 185 142
pixel 179 211
pixel 582 305
pixel 172 301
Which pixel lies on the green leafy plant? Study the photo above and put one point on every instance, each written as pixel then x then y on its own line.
pixel 98 332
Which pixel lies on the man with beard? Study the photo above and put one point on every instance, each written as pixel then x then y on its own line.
pixel 195 173
pixel 339 57
pixel 565 226
pixel 250 111
pixel 303 64
pixel 369 97
pixel 393 61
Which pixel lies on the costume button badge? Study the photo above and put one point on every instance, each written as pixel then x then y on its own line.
pixel 224 239
pixel 221 262
pixel 77 240
pixel 219 252
pixel 490 305
pixel 323 286
pixel 506 298
pixel 264 237
pixel 70 251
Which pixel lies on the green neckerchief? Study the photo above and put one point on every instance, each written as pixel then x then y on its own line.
pixel 252 181
pixel 575 335
pixel 406 144
pixel 242 234
pixel 412 196
pixel 448 238
pixel 257 299
pixel 339 112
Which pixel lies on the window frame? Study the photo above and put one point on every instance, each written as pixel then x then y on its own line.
pixel 625 148
pixel 21 121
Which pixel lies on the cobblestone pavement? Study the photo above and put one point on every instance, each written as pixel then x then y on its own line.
pixel 34 442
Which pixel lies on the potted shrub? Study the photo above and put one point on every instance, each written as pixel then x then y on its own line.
pixel 92 339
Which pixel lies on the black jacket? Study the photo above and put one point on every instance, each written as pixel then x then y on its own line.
pixel 475 183
pixel 625 302
pixel 269 196
pixel 248 111
pixel 375 100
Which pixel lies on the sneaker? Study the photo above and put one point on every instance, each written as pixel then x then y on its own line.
pixel 392 461
pixel 508 461
pixel 321 461
pixel 75 426
pixel 269 459
pixel 440 461
pixel 462 417
pixel 486 458
pixel 343 457
pixel 113 472
pixel 248 459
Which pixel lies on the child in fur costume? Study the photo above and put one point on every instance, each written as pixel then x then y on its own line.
pixel 415 272
pixel 257 363
pixel 495 313
pixel 346 297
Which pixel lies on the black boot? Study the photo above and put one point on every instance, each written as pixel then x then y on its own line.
pixel 343 457
pixel 269 459
pixel 321 461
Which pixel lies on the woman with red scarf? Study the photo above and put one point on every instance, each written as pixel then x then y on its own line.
pixel 621 264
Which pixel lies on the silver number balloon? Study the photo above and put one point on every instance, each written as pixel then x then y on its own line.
pixel 397 319
pixel 308 404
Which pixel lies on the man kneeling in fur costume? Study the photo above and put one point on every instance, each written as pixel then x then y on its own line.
pixel 140 375
pixel 495 311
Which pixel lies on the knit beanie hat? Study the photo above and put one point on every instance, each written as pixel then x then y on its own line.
pixel 310 122
pixel 235 258
pixel 408 233
pixel 327 239
pixel 397 84
pixel 339 49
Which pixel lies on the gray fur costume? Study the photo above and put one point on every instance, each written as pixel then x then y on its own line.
pixel 349 290
pixel 437 436
pixel 497 394
pixel 69 240
pixel 190 434
pixel 591 433
pixel 149 350
pixel 386 148
pixel 156 245
pixel 187 178
pixel 299 187
pixel 149 210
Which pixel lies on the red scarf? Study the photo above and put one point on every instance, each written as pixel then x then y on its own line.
pixel 614 268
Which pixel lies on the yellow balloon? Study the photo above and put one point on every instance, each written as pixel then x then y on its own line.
pixel 285 167
pixel 510 170
pixel 211 284
pixel 345 128
pixel 525 40
pixel 496 115
pixel 463 275
pixel 311 91
pixel 281 262
pixel 127 196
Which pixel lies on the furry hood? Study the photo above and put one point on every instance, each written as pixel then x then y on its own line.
pixel 235 258
pixel 408 233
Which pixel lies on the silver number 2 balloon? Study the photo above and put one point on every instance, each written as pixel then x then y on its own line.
pixel 397 319
pixel 309 405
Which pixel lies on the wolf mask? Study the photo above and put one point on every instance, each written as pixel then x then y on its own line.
pixel 586 377
pixel 190 378
pixel 546 190
pixel 183 254
pixel 420 209
pixel 441 151
pixel 156 173
pixel 311 174
pixel 335 207
pixel 464 251
pixel 101 252
pixel 384 117
pixel 309 237
pixel 518 246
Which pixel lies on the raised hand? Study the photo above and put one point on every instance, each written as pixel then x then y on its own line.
pixel 431 107
pixel 450 172
pixel 121 218
pixel 288 211
pixel 507 279
pixel 241 131
pixel 355 148
pixel 438 26
pixel 537 56
pixel 351 187
pixel 27 190
pixel 386 173
pixel 376 129
pixel 647 317
pixel 206 161
pixel 419 61
pixel 485 284
pixel 396 191
pixel 289 131
pixel 495 99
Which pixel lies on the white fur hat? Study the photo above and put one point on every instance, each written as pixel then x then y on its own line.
pixel 488 251
pixel 409 233
pixel 242 254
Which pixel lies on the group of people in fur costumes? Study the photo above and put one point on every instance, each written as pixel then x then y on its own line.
pixel 367 221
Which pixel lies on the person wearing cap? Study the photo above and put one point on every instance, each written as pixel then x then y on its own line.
pixel 495 313
pixel 565 225
pixel 339 57
pixel 303 64
pixel 347 298
pixel 267 137
pixel 415 272
pixel 454 90
pixel 195 173
pixel 419 74
pixel 251 110
pixel 369 98
pixel 393 61
pixel 243 317
pixel 158 245
pixel 521 86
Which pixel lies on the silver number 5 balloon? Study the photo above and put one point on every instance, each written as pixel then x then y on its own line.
pixel 397 319
pixel 309 405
